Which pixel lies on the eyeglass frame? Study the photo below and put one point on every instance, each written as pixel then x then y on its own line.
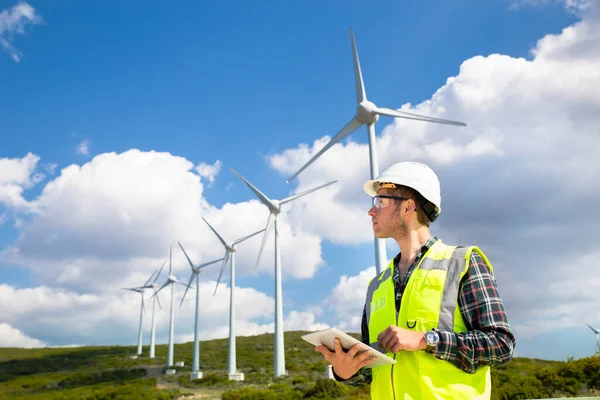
pixel 385 196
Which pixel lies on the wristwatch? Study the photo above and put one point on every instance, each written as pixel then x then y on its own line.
pixel 432 339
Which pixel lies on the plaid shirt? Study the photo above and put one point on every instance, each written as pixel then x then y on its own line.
pixel 489 340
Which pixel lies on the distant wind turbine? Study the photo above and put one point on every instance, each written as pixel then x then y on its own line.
pixel 367 114
pixel 275 208
pixel 230 255
pixel 597 332
pixel 155 300
pixel 140 290
pixel 196 373
pixel 171 281
pixel 142 311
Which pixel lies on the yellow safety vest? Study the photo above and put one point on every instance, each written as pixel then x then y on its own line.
pixel 430 300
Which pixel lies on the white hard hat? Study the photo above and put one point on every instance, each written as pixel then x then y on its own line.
pixel 414 175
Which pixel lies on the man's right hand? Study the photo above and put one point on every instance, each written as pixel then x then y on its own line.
pixel 346 364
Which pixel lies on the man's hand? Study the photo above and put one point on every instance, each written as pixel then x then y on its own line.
pixel 346 364
pixel 395 339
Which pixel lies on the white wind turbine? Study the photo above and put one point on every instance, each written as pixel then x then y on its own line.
pixel 171 281
pixel 275 208
pixel 230 255
pixel 367 114
pixel 597 332
pixel 155 300
pixel 196 373
pixel 140 290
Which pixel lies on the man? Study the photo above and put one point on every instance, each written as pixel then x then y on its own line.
pixel 435 309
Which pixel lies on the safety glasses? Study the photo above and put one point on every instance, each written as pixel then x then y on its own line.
pixel 382 201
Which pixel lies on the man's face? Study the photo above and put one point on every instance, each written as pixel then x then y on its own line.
pixel 386 219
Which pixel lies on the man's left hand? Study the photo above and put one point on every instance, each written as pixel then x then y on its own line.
pixel 395 339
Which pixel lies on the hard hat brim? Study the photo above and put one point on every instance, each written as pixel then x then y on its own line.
pixel 369 187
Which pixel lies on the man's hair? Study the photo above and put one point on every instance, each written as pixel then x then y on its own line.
pixel 420 201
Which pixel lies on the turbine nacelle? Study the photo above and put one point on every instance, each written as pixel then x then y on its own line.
pixel 274 207
pixel 172 278
pixel 366 112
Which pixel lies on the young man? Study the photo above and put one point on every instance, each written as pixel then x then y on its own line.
pixel 436 308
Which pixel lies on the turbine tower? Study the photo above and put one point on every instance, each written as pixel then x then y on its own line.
pixel 141 290
pixel 172 280
pixel 367 114
pixel 196 373
pixel 597 332
pixel 275 208
pixel 230 255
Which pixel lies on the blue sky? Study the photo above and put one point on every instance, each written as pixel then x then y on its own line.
pixel 231 85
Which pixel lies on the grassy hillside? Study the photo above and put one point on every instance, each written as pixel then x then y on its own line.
pixel 108 372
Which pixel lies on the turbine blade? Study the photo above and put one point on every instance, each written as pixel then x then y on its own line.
pixel 594 329
pixel 346 130
pixel 270 222
pixel 186 256
pixel 361 95
pixel 206 264
pixel 186 289
pixel 143 306
pixel 261 196
pixel 149 279
pixel 177 281
pixel 401 114
pixel 225 260
pixel 248 237
pixel 294 197
pixel 158 300
pixel 170 258
pixel 213 229
pixel 159 271
pixel 161 288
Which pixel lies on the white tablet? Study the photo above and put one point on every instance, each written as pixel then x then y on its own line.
pixel 327 336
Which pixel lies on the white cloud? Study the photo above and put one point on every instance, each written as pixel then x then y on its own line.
pixel 83 148
pixel 347 299
pixel 208 171
pixel 11 337
pixel 64 317
pixel 13 22
pixel 17 175
pixel 50 168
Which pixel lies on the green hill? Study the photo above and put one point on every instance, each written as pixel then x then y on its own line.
pixel 108 372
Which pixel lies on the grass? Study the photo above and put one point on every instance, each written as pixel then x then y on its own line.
pixel 109 372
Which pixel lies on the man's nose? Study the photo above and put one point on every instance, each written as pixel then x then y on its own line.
pixel 372 211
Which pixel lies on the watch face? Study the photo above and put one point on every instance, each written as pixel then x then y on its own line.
pixel 431 337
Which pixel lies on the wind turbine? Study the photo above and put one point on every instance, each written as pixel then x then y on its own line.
pixel 196 373
pixel 597 332
pixel 155 300
pixel 230 255
pixel 171 281
pixel 275 208
pixel 367 114
pixel 142 311
pixel 140 290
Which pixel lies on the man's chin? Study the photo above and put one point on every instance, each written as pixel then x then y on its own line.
pixel 379 235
